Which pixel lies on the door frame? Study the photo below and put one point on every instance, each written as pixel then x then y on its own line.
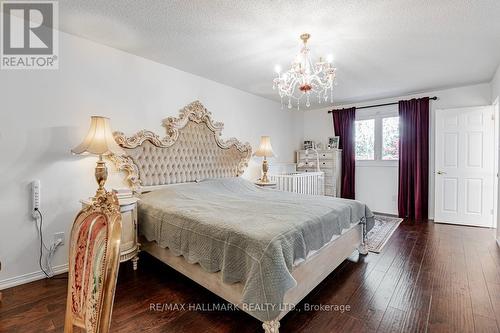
pixel 496 162
pixel 496 156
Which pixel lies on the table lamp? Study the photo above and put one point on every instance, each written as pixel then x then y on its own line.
pixel 99 141
pixel 265 150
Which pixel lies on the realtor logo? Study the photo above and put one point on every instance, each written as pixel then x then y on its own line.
pixel 29 35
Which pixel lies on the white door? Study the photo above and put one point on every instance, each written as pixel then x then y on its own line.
pixel 464 170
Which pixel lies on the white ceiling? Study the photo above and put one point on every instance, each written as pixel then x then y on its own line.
pixel 382 48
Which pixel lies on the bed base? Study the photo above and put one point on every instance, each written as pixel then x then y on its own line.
pixel 308 274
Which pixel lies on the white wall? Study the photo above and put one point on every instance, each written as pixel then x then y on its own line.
pixel 495 86
pixel 46 113
pixel 377 186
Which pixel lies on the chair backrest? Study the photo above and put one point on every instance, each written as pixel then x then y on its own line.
pixel 93 265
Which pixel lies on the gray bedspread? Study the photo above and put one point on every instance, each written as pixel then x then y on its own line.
pixel 251 235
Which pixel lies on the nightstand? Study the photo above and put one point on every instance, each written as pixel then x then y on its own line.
pixel 266 185
pixel 129 247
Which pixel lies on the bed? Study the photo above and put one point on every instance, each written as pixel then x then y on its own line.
pixel 260 249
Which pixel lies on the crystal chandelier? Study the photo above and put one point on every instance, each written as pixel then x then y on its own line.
pixel 303 79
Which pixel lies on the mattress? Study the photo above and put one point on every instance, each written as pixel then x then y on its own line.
pixel 249 234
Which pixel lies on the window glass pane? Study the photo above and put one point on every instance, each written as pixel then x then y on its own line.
pixel 365 139
pixel 390 138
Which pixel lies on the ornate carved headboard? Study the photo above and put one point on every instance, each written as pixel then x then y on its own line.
pixel 192 150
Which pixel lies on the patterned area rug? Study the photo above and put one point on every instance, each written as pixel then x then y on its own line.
pixel 381 232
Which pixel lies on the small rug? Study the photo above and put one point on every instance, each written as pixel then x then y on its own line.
pixel 382 232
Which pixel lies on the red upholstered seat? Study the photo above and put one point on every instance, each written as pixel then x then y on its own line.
pixel 93 265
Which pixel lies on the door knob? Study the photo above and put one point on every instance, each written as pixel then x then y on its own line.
pixel 441 173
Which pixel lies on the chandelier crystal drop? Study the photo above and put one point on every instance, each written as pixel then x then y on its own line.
pixel 305 78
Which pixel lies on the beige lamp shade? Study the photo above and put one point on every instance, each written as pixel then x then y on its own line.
pixel 265 149
pixel 99 139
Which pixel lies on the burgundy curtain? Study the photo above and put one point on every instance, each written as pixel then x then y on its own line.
pixel 343 123
pixel 413 158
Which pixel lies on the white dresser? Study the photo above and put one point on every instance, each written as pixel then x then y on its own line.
pixel 330 162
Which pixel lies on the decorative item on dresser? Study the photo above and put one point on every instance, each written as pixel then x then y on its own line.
pixel 130 247
pixel 308 144
pixel 330 162
pixel 333 142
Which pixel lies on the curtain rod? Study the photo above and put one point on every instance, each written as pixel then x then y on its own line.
pixel 386 104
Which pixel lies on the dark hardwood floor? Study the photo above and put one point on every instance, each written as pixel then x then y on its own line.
pixel 429 278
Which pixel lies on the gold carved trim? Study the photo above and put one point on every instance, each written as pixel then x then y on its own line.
pixel 195 112
pixel 99 319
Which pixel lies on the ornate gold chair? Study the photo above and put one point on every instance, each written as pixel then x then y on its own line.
pixel 93 265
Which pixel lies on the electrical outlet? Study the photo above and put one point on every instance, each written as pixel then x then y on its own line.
pixel 59 236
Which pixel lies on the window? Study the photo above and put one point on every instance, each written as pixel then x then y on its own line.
pixel 365 139
pixel 390 138
pixel 377 139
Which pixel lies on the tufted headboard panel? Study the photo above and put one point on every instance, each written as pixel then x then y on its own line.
pixel 191 151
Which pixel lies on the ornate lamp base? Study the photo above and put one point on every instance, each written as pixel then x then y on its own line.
pixel 101 175
pixel 265 169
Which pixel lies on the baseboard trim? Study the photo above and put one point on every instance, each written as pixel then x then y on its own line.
pixel 30 277
pixel 385 214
